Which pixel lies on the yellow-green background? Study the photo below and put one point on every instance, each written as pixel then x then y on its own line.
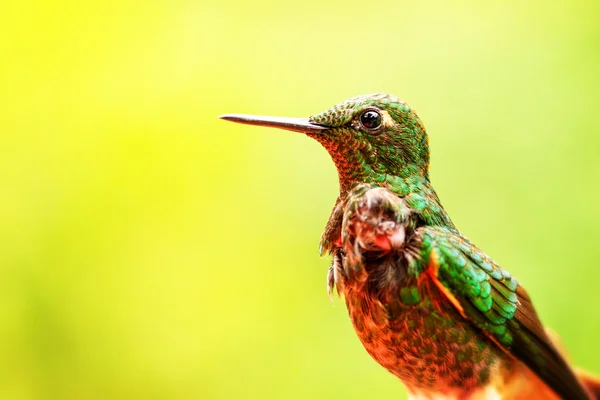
pixel 149 250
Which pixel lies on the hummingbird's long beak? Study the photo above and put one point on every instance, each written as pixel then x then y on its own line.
pixel 291 124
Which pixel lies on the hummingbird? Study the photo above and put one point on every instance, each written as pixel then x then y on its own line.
pixel 426 303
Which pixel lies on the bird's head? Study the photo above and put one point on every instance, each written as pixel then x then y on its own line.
pixel 373 138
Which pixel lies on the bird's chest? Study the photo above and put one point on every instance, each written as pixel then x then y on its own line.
pixel 422 340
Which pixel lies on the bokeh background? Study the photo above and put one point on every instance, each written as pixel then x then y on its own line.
pixel 149 250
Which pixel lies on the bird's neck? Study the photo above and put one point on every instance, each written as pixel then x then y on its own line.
pixel 415 188
pixel 402 183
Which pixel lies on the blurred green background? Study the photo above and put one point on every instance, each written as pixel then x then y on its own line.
pixel 149 250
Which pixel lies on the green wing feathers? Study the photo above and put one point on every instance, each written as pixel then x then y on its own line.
pixel 492 300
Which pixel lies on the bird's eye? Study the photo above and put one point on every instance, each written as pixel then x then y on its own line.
pixel 370 119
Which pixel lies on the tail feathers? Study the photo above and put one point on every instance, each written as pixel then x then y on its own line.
pixel 591 383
